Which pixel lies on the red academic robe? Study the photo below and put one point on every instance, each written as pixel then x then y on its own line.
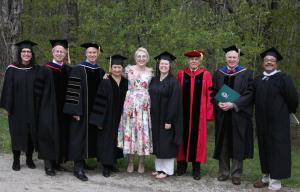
pixel 196 90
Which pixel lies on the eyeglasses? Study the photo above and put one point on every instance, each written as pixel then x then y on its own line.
pixel 25 51
pixel 270 60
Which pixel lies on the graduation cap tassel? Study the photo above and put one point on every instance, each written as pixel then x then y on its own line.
pixel 99 50
pixel 69 58
pixel 109 67
pixel 239 52
pixel 201 56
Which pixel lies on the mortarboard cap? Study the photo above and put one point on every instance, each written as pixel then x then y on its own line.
pixel 95 45
pixel 233 48
pixel 165 55
pixel 62 42
pixel 273 52
pixel 117 59
pixel 25 44
pixel 195 53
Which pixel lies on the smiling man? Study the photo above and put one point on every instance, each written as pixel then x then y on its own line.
pixel 275 98
pixel 81 92
pixel 233 125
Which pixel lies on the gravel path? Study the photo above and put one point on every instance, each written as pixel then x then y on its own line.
pixel 36 181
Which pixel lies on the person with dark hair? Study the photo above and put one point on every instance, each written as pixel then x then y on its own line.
pixel 52 123
pixel 233 125
pixel 106 115
pixel 196 88
pixel 17 99
pixel 81 92
pixel 166 116
pixel 275 98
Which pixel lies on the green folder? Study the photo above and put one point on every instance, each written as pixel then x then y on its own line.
pixel 226 94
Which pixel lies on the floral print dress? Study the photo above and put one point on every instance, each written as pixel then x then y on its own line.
pixel 134 134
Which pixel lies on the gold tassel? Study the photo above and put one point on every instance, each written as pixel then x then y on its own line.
pixel 99 50
pixel 239 52
pixel 109 67
pixel 69 58
pixel 201 56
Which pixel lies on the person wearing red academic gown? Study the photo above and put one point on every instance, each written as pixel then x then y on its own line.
pixel 196 87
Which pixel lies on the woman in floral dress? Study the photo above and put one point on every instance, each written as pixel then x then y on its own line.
pixel 134 134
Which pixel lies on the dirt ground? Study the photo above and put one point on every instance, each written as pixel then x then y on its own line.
pixel 35 180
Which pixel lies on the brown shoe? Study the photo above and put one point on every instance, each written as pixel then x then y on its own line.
pixel 260 184
pixel 223 177
pixel 236 180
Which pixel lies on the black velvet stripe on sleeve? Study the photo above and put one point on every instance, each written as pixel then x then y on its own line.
pixel 186 89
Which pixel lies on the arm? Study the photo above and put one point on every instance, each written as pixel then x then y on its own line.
pixel 7 92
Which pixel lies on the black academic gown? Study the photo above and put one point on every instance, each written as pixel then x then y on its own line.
pixel 18 100
pixel 235 125
pixel 50 89
pixel 166 108
pixel 107 110
pixel 81 92
pixel 275 99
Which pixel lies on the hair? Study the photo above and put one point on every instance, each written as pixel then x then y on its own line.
pixel 157 72
pixel 142 49
pixel 19 59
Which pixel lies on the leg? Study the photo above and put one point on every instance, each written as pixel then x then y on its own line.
pixel 141 168
pixel 181 168
pixel 236 171
pixel 196 171
pixel 29 152
pixel 106 170
pixel 130 167
pixel 16 163
pixel 79 170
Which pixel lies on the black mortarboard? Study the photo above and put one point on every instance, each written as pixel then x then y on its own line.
pixel 62 42
pixel 117 59
pixel 165 55
pixel 273 52
pixel 233 48
pixel 25 44
pixel 95 45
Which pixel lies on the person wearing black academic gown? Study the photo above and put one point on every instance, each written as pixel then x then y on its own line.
pixel 106 115
pixel 52 123
pixel 18 100
pixel 81 92
pixel 233 125
pixel 275 98
pixel 166 116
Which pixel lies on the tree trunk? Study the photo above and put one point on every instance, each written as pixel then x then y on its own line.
pixel 10 27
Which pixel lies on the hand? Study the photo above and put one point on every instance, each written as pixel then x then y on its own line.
pixel 76 117
pixel 106 76
pixel 225 106
pixel 167 126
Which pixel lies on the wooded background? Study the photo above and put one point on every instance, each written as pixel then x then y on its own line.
pixel 121 26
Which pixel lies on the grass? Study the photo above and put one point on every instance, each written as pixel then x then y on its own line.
pixel 251 170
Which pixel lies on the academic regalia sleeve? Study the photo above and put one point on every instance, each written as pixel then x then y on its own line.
pixel 246 97
pixel 174 115
pixel 73 101
pixel 7 91
pixel 100 105
pixel 290 94
pixel 209 96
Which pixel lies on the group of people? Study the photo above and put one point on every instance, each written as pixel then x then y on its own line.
pixel 75 113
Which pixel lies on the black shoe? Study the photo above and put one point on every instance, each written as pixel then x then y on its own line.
pixel 180 172
pixel 16 165
pixel 80 175
pixel 50 172
pixel 30 164
pixel 223 177
pixel 197 175
pixel 236 180
pixel 106 172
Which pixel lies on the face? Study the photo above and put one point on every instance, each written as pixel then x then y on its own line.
pixel 26 55
pixel 194 62
pixel 232 59
pixel 91 54
pixel 270 63
pixel 141 58
pixel 164 66
pixel 116 70
pixel 59 53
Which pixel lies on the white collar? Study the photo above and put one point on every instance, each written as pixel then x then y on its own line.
pixel 53 61
pixel 270 74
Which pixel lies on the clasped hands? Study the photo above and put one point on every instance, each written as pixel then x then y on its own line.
pixel 225 106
